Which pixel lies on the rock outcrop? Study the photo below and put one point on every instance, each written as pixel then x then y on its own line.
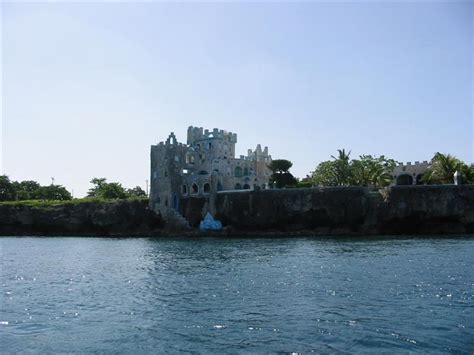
pixel 129 217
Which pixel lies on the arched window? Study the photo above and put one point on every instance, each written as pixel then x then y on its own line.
pixel 190 158
pixel 238 171
pixel 246 187
pixel 219 186
pixel 404 179
pixel 246 171
pixel 206 188
pixel 238 186
pixel 184 189
pixel 194 189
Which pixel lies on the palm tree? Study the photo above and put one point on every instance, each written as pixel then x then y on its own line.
pixel 342 165
pixel 442 169
pixel 342 155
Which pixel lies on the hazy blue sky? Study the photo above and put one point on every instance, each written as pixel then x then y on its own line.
pixel 87 88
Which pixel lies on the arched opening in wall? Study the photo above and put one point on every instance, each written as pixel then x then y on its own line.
pixel 175 202
pixel 209 145
pixel 246 187
pixel 166 202
pixel 238 171
pixel 219 186
pixel 404 179
pixel 246 171
pixel 194 189
pixel 184 189
pixel 264 186
pixel 189 158
pixel 206 188
pixel 419 179
pixel 238 186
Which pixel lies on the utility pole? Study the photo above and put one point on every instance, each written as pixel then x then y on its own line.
pixel 52 180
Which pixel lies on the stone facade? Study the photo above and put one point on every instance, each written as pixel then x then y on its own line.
pixel 204 165
pixel 409 174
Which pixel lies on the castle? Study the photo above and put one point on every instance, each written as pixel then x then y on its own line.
pixel 205 165
pixel 409 174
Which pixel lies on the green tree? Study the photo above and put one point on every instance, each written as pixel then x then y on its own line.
pixel 98 185
pixel 107 190
pixel 112 191
pixel 367 171
pixel 467 174
pixel 342 168
pixel 281 176
pixel 137 191
pixel 325 174
pixel 27 190
pixel 372 171
pixel 442 168
pixel 53 192
pixel 7 189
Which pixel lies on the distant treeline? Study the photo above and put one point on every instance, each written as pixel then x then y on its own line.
pixel 32 190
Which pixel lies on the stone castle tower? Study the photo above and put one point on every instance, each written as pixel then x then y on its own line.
pixel 205 165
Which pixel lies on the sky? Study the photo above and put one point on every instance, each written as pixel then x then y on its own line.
pixel 88 87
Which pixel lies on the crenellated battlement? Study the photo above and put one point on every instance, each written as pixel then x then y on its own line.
pixel 423 163
pixel 196 134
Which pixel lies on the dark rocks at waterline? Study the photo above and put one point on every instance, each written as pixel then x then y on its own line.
pixel 126 217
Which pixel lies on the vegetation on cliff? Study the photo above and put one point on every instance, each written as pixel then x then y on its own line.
pixel 113 190
pixel 32 193
pixel 442 169
pixel 376 172
pixel 368 170
pixel 281 176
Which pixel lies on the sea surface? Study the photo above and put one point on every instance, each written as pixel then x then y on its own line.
pixel 237 295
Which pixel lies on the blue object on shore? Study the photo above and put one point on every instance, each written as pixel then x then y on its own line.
pixel 209 223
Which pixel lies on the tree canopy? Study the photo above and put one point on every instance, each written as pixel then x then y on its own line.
pixel 31 190
pixel 281 176
pixel 107 190
pixel 367 171
pixel 442 168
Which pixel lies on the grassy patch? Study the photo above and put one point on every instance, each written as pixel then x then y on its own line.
pixel 75 201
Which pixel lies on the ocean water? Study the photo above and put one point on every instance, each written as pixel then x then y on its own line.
pixel 237 295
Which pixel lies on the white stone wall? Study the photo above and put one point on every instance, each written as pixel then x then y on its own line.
pixel 406 172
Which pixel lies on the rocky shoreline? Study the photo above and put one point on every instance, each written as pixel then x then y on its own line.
pixel 351 211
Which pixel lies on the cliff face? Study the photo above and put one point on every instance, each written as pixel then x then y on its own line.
pixel 85 218
pixel 292 209
pixel 425 209
pixel 329 211
pixel 398 210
